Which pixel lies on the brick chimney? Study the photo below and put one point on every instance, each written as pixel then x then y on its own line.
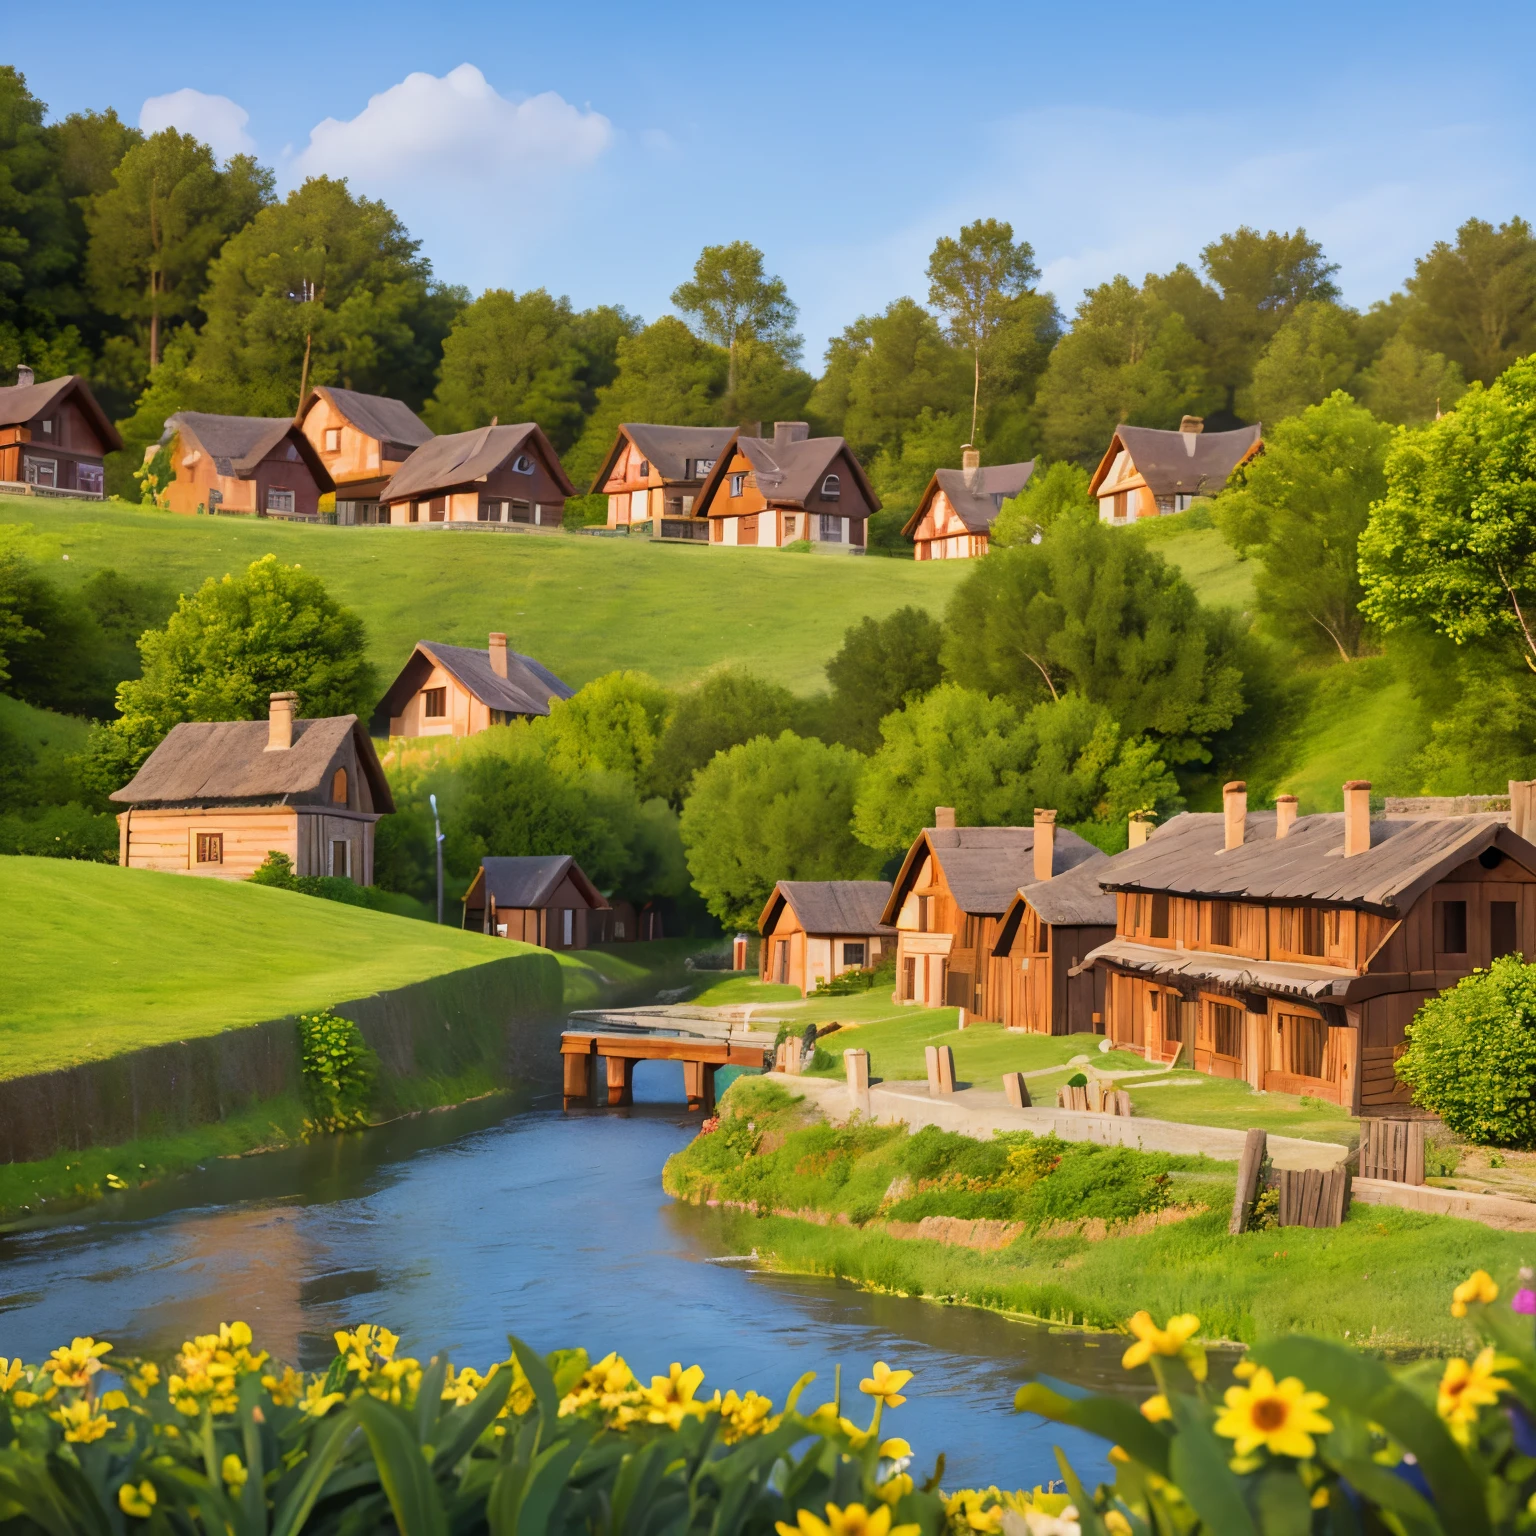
pixel 1141 828
pixel 24 376
pixel 1045 843
pixel 943 818
pixel 1357 817
pixel 498 653
pixel 280 708
pixel 970 467
pixel 1234 805
pixel 1285 814
pixel 785 432
pixel 1195 424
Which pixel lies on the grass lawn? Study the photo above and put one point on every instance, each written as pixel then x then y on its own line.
pixel 1206 561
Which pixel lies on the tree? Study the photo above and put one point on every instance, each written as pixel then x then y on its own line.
pixel 729 707
pixel 1299 508
pixel 612 724
pixel 1310 356
pixel 17 602
pixel 731 301
pixel 881 665
pixel 1451 546
pixel 772 809
pixel 36 253
pixel 1051 492
pixel 900 472
pixel 973 282
pixel 1408 386
pixel 154 232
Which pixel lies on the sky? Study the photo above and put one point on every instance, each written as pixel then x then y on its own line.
pixel 593 149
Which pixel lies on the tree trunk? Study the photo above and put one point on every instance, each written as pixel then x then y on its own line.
pixel 304 376
pixel 975 393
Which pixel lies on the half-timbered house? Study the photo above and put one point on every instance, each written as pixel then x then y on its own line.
pixel 653 475
pixel 815 930
pixel 954 518
pixel 362 440
pixel 505 475
pixel 54 437
pixel 1292 952
pixel 261 465
pixel 456 690
pixel 1146 472
pixel 542 899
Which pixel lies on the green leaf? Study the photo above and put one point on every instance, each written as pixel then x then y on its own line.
pixel 459 1431
pixel 429 1399
pixel 635 1486
pixel 1197 1463
pixel 1388 1491
pixel 403 1470
pixel 539 1379
pixel 1108 1417
pixel 1087 1515
pixel 295 1509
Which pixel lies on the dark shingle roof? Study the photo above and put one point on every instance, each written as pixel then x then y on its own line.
pixel 669 448
pixel 976 495
pixel 985 866
pixel 527 689
pixel 1186 463
pixel 834 906
pixel 237 444
pixel 1075 899
pixel 390 421
pixel 1236 972
pixel 20 403
pixel 529 880
pixel 460 458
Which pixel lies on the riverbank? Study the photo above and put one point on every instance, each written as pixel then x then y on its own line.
pixel 1078 1235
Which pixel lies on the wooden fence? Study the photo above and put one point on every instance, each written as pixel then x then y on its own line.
pixel 1312 1197
pixel 1094 1099
pixel 1393 1150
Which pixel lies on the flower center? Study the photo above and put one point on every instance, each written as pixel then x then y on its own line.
pixel 1269 1413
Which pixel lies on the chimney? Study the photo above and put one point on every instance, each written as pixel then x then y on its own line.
pixel 786 432
pixel 1357 817
pixel 24 376
pixel 1045 843
pixel 1285 814
pixel 1194 424
pixel 970 458
pixel 498 653
pixel 943 818
pixel 1141 828
pixel 280 708
pixel 1234 805
pixel 1521 822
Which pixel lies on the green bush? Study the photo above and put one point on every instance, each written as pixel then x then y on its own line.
pixel 339 1071
pixel 1471 1055
pixel 60 832
pixel 277 870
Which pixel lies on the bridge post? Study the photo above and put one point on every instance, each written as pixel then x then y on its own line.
pixel 577 1075
pixel 621 1081
pixel 699 1084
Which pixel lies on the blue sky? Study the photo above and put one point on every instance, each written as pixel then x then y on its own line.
pixel 592 149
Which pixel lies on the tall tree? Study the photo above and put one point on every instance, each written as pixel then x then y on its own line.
pixel 36 252
pixel 729 707
pixel 731 301
pixel 1311 355
pixel 973 281
pixel 1408 385
pixel 881 665
pixel 1053 491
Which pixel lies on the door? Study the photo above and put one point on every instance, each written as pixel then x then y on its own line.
pixel 639 506
pixel 781 961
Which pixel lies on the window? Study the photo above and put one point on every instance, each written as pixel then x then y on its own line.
pixel 645 468
pixel 1159 926
pixel 90 478
pixel 924 913
pixel 341 857
pixel 40 471
pixel 1451 927
pixel 522 512
pixel 791 527
pixel 1300 1046
pixel 853 956
pixel 568 927
pixel 522 465
pixel 1221 922
pixel 415 513
pixel 1174 1019
pixel 434 703
pixel 909 978
pixel 210 847
pixel 339 787
pixel 1226 1030
pixel 279 499
pixel 831 488
pixel 1310 930
pixel 1503 934
pixel 333 439
pixel 701 467
pixel 48 427
pixel 738 484
pixel 492 511
pixel 831 528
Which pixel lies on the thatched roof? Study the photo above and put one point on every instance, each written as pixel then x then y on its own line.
pixel 1179 463
pixel 22 403
pixel 238 445
pixel 1232 972
pixel 831 906
pixel 1073 900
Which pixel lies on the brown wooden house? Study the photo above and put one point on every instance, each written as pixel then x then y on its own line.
pixel 54 437
pixel 1293 952
pixel 494 475
pixel 948 901
pixel 216 798
pixel 542 899
pixel 455 690
pixel 362 440
pixel 814 930
pixel 1146 472
pixel 953 521
pixel 653 474
pixel 766 492
pixel 262 465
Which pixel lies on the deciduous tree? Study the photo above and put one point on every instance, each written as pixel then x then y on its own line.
pixel 1408 385
pixel 730 300
pixel 881 665
pixel 1052 491
pixel 1310 356
pixel 729 707
pixel 612 724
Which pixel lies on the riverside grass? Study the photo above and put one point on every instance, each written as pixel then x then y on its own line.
pixel 1374 1281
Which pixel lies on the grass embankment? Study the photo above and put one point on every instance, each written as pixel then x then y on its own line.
pixel 1382 1279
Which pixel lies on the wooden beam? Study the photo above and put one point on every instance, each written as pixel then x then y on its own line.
pixel 1248 1170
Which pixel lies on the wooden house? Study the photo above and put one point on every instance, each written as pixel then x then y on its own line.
pixel 262 465
pixel 362 440
pixel 814 930
pixel 216 798
pixel 948 901
pixel 1292 952
pixel 1146 472
pixel 953 521
pixel 653 474
pixel 766 492
pixel 542 899
pixel 510 476
pixel 455 690
pixel 54 438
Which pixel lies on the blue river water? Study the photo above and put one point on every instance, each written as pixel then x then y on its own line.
pixel 459 1227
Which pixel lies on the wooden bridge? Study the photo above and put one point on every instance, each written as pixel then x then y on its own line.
pixel 703 1039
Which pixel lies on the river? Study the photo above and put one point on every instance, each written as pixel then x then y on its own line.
pixel 457 1227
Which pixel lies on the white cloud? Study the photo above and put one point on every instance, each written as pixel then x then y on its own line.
pixel 216 120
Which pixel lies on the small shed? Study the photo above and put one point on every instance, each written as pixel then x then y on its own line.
pixel 542 899
pixel 54 437
pixel 263 465
pixel 815 930
pixel 456 690
pixel 362 440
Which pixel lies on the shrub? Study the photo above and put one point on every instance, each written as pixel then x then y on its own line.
pixel 339 1071
pixel 1471 1055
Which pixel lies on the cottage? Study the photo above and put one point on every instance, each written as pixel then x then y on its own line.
pixel 814 930
pixel 953 521
pixel 768 492
pixel 54 437
pixel 1292 952
pixel 262 465
pixel 654 474
pixel 493 475
pixel 216 798
pixel 362 440
pixel 542 899
pixel 948 902
pixel 1146 472
pixel 455 690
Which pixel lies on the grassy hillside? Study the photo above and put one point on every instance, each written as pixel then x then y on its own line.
pixel 40 729
pixel 102 960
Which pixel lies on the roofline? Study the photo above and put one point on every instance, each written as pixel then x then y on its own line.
pixel 439 488
pixel 895 900
pixel 706 495
pixel 1096 479
pixel 77 386
pixel 776 897
pixel 909 528
pixel 619 439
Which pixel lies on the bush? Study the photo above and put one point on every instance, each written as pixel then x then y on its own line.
pixel 339 1071
pixel 1471 1055
pixel 60 832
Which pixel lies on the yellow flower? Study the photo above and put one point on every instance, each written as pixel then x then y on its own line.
pixel 138 1501
pixel 1152 1340
pixel 397 1381
pixel 460 1387
pixel 1244 1369
pixel 74 1366
pixel 1282 1416
pixel 894 1489
pixel 82 1424
pixel 1155 1410
pixel 852 1520
pixel 670 1399
pixel 1478 1286
pixel 744 1416
pixel 26 1399
pixel 285 1389
pixel 10 1373
pixel 112 1401
pixel 894 1449
pixel 146 1376
pixel 968 1510
pixel 1466 1388
pixel 317 1401
pixel 1117 1524
pixel 885 1384
pixel 234 1473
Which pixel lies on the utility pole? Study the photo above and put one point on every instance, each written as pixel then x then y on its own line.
pixel 437 832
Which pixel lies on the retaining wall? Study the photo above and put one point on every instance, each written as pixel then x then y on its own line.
pixel 503 1017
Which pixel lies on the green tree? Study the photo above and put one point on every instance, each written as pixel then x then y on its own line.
pixel 1408 386
pixel 882 665
pixel 1052 491
pixel 974 281
pixel 1451 547
pixel 900 472
pixel 17 601
pixel 731 301
pixel 612 724
pixel 729 707
pixel 1299 508
pixel 1310 356
pixel 771 809
pixel 36 253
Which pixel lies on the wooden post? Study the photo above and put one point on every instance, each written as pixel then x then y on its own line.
pixel 699 1084
pixel 1016 1090
pixel 856 1065
pixel 794 1060
pixel 621 1081
pixel 1414 1173
pixel 931 1063
pixel 1248 1170
pixel 946 1064
pixel 960 1022
pixel 577 1087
